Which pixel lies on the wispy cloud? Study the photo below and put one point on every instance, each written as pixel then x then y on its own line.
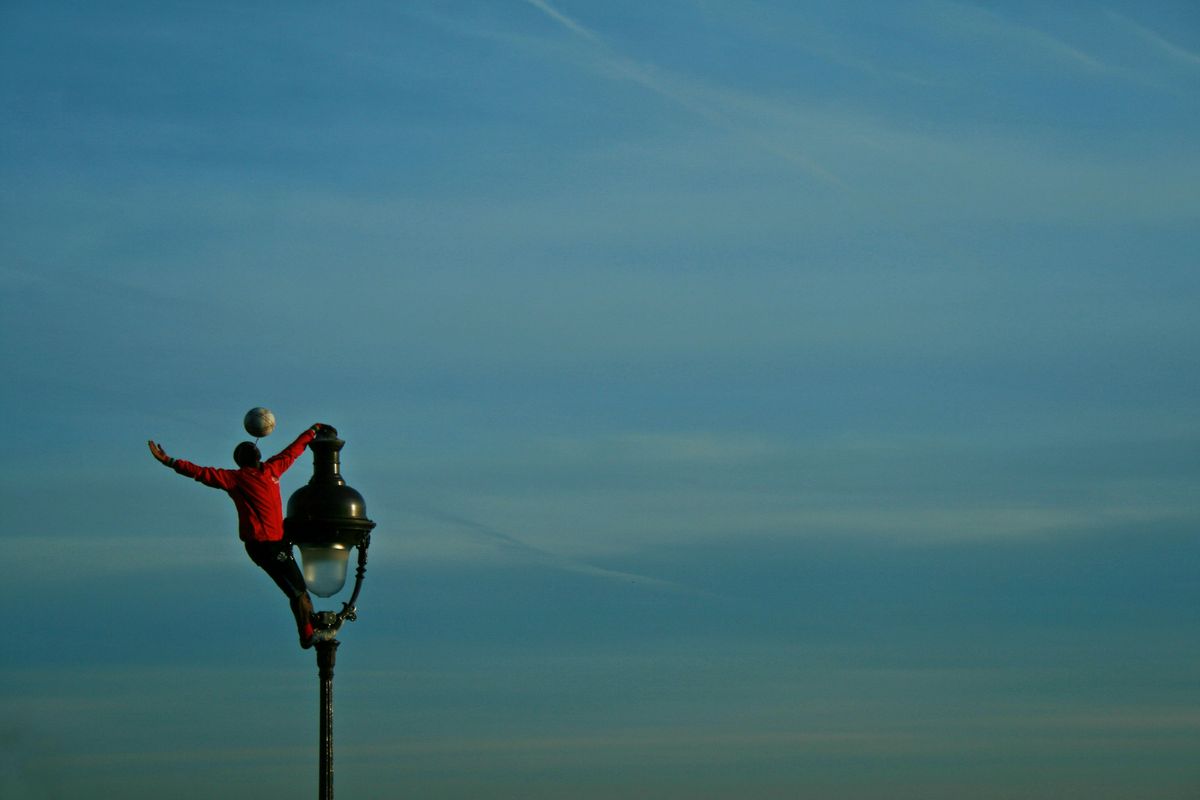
pixel 986 23
pixel 522 551
pixel 687 94
pixel 1160 42
pixel 564 20
pixel 586 499
pixel 72 557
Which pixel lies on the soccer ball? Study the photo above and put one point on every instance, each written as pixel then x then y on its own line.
pixel 259 422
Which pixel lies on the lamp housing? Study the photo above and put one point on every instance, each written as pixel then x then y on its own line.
pixel 325 518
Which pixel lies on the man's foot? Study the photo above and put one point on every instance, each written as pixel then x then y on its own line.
pixel 302 609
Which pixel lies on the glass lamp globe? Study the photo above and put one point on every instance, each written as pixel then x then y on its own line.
pixel 325 567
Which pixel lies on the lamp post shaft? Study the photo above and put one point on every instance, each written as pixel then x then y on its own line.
pixel 326 655
pixel 325 515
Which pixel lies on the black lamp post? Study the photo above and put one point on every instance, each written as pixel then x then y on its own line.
pixel 325 519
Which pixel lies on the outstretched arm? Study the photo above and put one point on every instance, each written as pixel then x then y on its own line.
pixel 279 463
pixel 209 476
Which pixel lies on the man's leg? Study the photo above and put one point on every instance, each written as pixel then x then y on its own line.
pixel 276 559
pixel 302 609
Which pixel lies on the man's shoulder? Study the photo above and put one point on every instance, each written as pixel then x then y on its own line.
pixel 263 473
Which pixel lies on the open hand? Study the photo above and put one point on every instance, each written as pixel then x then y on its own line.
pixel 159 454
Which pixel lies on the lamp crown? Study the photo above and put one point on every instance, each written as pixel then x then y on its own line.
pixel 326 511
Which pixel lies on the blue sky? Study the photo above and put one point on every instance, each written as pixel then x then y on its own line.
pixel 755 399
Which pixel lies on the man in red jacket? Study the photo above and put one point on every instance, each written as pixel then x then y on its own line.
pixel 254 487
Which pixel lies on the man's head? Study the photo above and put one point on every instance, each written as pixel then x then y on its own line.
pixel 246 455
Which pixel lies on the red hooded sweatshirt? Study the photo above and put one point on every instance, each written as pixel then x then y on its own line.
pixel 255 490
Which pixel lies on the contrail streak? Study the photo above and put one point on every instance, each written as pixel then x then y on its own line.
pixel 566 21
pixel 547 558
pixel 645 77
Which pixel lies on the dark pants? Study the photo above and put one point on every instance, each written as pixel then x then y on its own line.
pixel 276 560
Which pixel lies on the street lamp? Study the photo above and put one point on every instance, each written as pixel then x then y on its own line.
pixel 325 519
